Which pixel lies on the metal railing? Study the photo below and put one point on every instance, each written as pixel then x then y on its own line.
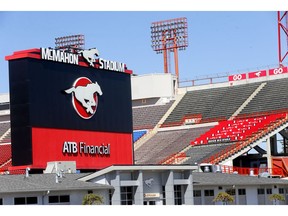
pixel 251 171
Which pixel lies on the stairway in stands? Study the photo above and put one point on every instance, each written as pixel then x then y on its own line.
pixel 152 132
pixel 250 98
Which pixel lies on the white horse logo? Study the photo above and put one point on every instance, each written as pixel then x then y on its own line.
pixel 85 95
pixel 258 73
pixel 89 54
pixel 148 182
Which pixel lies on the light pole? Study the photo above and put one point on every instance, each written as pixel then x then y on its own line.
pixel 169 36
pixel 70 43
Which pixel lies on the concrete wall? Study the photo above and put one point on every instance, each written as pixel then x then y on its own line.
pixel 153 85
pixel 251 197
pixel 4 98
pixel 148 185
pixel 76 197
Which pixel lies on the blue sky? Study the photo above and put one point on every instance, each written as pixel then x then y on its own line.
pixel 219 41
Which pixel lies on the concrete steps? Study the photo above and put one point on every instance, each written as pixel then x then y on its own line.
pixel 152 132
pixel 261 86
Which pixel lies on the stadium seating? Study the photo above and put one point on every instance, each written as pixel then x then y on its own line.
pixel 197 154
pixel 194 102
pixel 166 143
pixel 271 98
pixel 212 104
pixel 234 130
pixel 6 138
pixel 231 101
pixel 271 123
pixel 4 127
pixel 215 143
pixel 147 117
pixel 4 118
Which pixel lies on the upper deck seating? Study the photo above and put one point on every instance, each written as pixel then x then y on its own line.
pixel 271 98
pixel 147 117
pixel 211 104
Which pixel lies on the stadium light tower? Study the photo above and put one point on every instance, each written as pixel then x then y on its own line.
pixel 282 25
pixel 71 42
pixel 169 36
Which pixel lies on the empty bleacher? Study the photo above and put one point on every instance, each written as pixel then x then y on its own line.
pixel 6 138
pixel 231 101
pixel 197 154
pixel 147 117
pixel 238 130
pixel 165 144
pixel 4 118
pixel 261 129
pixel 234 130
pixel 271 98
pixel 214 103
pixel 4 127
pixel 195 102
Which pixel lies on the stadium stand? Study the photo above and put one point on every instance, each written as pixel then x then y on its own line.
pixel 4 118
pixel 6 137
pixel 273 122
pixel 194 102
pixel 234 130
pixel 212 104
pixel 198 154
pixel 166 143
pixel 227 104
pixel 245 115
pixel 4 127
pixel 271 98
pixel 147 117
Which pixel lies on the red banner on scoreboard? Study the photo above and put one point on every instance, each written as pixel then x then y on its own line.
pixel 277 71
pixel 237 77
pixel 257 74
pixel 90 149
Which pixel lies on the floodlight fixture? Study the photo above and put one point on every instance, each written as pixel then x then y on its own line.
pixel 282 30
pixel 169 35
pixel 70 42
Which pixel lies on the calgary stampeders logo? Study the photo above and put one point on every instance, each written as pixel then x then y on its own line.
pixel 85 96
